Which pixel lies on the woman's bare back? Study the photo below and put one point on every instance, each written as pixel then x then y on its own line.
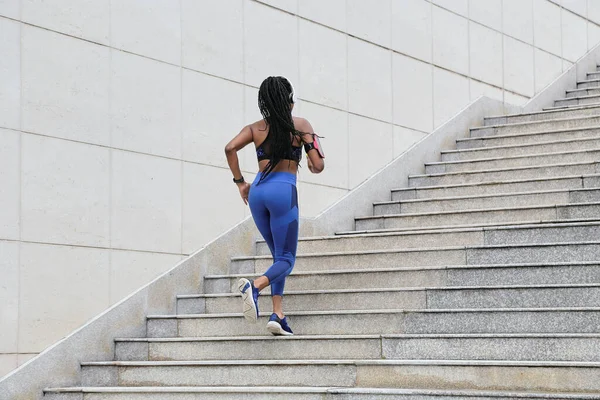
pixel 260 130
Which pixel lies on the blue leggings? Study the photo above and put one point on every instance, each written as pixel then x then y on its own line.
pixel 274 207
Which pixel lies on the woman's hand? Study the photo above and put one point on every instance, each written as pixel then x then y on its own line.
pixel 244 191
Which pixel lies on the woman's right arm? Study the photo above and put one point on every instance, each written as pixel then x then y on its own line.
pixel 240 141
pixel 316 164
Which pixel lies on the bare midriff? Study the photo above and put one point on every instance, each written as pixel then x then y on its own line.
pixel 283 166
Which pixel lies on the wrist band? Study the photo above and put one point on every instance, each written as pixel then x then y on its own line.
pixel 241 180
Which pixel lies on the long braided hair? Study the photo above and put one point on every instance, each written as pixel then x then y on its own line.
pixel 275 96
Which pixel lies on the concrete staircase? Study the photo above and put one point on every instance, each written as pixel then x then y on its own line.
pixel 481 280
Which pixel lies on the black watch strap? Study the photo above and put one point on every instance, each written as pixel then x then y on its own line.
pixel 241 180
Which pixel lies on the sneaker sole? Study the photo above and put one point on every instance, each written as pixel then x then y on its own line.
pixel 249 308
pixel 277 330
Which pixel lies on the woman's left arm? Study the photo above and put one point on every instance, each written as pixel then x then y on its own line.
pixel 241 140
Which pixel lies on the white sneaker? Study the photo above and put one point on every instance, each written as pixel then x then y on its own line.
pixel 249 299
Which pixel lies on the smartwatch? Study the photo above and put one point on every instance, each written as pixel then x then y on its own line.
pixel 241 180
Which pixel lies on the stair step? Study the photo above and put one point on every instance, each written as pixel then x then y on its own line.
pixel 516 347
pixel 588 83
pixel 361 322
pixel 583 92
pixel 593 75
pixel 581 111
pixel 507 234
pixel 521 296
pixel 391 258
pixel 523 199
pixel 536 126
pixel 582 348
pixel 526 138
pixel 539 232
pixel 506 215
pixel 525 160
pixel 357 259
pixel 567 107
pixel 382 241
pixel 514 150
pixel 220 373
pixel 497 187
pixel 502 174
pixel 578 100
pixel 441 276
pixel 529 253
pixel 296 393
pixel 250 348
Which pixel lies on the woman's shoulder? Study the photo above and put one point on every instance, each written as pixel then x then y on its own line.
pixel 299 121
pixel 258 125
pixel 303 125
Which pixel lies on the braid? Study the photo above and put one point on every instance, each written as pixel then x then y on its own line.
pixel 274 98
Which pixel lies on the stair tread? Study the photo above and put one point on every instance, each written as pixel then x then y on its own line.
pixel 507 226
pixel 485 196
pixel 514 363
pixel 514 146
pixel 569 107
pixel 579 90
pixel 387 311
pixel 498 182
pixel 589 96
pixel 366 337
pixel 530 155
pixel 422 249
pixel 492 170
pixel 405 289
pixel 482 226
pixel 424 268
pixel 526 123
pixel 324 390
pixel 471 211
pixel 517 135
pixel 583 107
